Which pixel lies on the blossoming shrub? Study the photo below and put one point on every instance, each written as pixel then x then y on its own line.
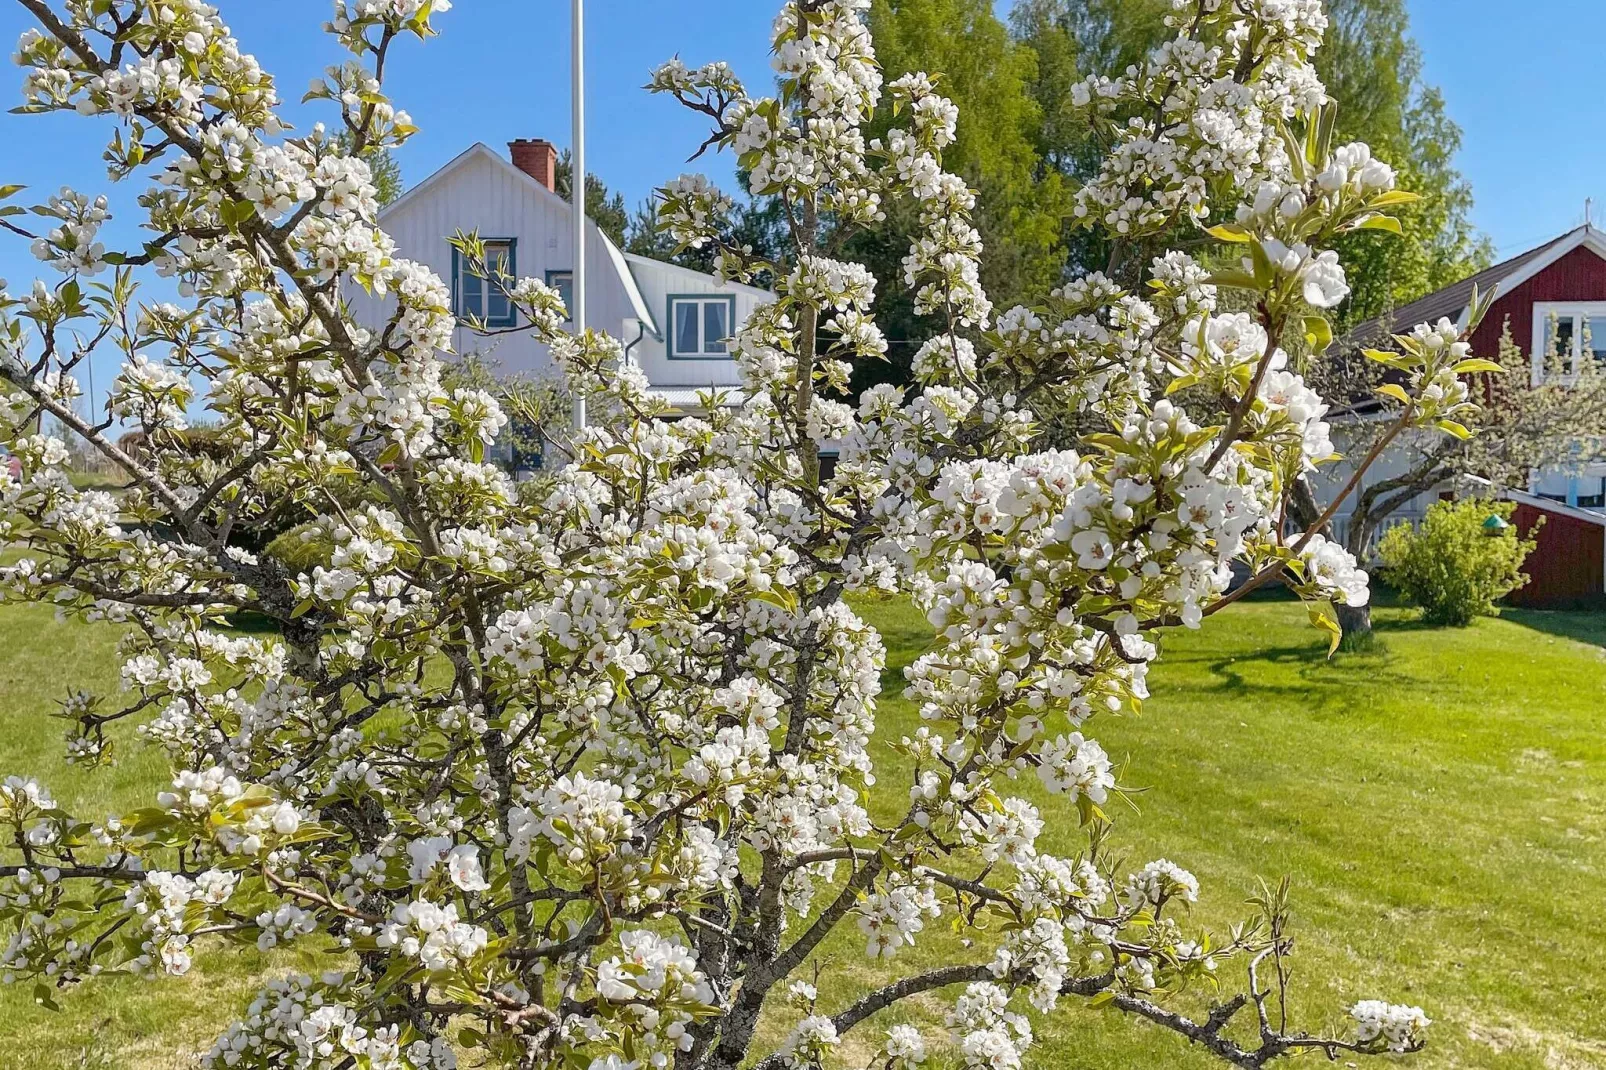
pixel 580 776
pixel 1453 566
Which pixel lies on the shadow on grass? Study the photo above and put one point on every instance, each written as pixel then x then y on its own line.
pixel 1584 627
pixel 1306 673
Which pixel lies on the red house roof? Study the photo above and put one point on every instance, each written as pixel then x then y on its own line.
pixel 1452 301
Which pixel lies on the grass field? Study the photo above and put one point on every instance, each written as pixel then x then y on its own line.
pixel 1440 803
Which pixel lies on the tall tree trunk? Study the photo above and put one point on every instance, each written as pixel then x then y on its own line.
pixel 1356 621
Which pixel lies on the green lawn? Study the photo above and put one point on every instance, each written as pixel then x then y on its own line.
pixel 1440 803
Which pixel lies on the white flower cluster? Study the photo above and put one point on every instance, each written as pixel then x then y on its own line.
pixel 433 935
pixel 1186 120
pixel 1076 767
pixel 1400 1027
pixel 72 246
pixel 1159 882
pixel 990 1036
pixel 1334 570
pixel 892 919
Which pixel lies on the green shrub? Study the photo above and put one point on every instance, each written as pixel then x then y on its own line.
pixel 1457 565
pixel 300 549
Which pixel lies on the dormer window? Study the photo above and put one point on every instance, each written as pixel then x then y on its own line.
pixel 1566 334
pixel 477 297
pixel 700 326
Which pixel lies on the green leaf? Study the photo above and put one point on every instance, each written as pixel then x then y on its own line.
pixel 1402 361
pixel 1381 222
pixel 1395 391
pixel 1229 232
pixel 1234 280
pixel 1318 332
pixel 236 212
pixel 1477 364
pixel 1395 197
pixel 1321 615
pixel 1181 382
pixel 10 191
pixel 781 599
pixel 1456 429
pixel 1264 272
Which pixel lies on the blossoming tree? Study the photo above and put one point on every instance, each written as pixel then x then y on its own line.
pixel 589 777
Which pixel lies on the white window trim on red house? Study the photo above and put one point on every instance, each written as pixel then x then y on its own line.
pixel 1580 311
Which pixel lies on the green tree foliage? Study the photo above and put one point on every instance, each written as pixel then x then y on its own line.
pixel 606 208
pixel 387 177
pixel 1023 202
pixel 1372 68
pixel 387 173
pixel 1457 565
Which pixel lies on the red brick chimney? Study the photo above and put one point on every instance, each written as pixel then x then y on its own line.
pixel 537 158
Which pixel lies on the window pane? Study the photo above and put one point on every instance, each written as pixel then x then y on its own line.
pixel 1559 344
pixel 563 282
pixel 715 329
pixel 686 340
pixel 1594 338
pixel 471 296
pixel 497 307
pixel 497 258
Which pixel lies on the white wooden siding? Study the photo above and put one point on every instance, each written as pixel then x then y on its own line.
pixel 657 281
pixel 1398 459
pixel 481 191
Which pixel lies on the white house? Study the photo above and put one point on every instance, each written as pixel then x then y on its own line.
pixel 674 322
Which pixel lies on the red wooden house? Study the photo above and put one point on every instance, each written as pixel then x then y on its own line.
pixel 1554 299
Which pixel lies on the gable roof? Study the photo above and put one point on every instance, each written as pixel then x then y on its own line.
pixel 1452 301
pixel 479 151
pixel 652 264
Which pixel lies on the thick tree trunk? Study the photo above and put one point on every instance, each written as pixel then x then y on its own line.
pixel 1355 620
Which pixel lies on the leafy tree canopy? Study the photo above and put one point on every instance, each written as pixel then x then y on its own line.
pixel 1373 70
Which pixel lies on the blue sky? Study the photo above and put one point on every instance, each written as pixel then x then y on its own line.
pixel 1523 81
pixel 1522 88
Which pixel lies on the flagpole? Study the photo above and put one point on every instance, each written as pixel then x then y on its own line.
pixel 577 183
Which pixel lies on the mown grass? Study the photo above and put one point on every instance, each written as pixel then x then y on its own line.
pixel 1440 802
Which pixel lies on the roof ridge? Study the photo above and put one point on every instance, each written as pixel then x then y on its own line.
pixel 1449 301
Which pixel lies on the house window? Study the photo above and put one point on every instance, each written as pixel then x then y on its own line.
pixel 563 282
pixel 1592 493
pixel 700 326
pixel 1566 334
pixel 480 299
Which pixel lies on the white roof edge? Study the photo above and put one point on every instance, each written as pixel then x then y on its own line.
pixel 756 291
pixel 1548 505
pixel 479 149
pixel 632 288
pixel 733 397
pixel 1585 235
